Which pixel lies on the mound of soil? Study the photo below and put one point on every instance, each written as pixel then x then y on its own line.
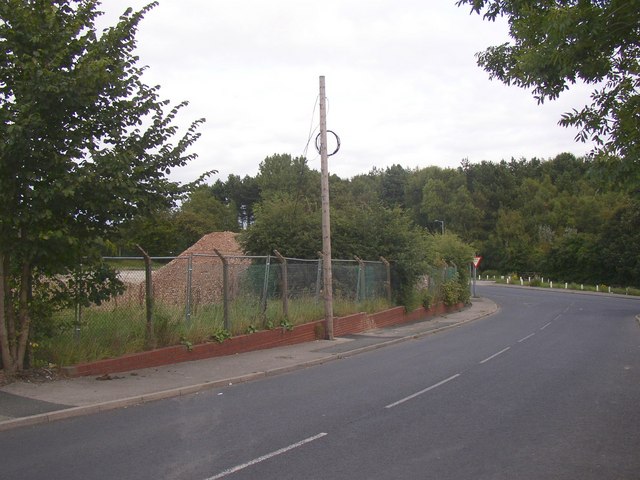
pixel 171 281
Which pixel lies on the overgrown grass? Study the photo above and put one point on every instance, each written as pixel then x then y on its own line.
pixel 119 330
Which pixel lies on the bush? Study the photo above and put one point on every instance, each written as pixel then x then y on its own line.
pixel 452 292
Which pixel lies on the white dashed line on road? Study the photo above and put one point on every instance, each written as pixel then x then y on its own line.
pixel 405 399
pixel 495 355
pixel 526 338
pixel 266 457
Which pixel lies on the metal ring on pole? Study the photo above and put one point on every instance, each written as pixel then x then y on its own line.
pixel 337 142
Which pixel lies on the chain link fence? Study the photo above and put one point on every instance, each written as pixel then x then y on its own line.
pixel 207 297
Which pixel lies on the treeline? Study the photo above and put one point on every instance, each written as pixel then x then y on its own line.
pixel 564 217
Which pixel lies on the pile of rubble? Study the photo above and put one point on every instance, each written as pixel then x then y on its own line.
pixel 171 281
pixel 198 268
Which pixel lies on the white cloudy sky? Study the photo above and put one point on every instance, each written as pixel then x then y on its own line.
pixel 402 83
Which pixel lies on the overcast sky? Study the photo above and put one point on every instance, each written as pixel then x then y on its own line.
pixel 402 83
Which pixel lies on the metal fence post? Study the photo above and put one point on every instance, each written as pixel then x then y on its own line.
pixel 76 330
pixel 285 284
pixel 360 283
pixel 189 278
pixel 225 290
pixel 388 282
pixel 319 277
pixel 265 285
pixel 150 340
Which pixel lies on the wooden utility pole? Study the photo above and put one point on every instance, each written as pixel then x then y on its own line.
pixel 326 219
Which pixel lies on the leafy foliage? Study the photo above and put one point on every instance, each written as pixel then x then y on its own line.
pixel 286 224
pixel 86 146
pixel 558 43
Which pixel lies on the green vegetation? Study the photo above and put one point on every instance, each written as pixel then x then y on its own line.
pixel 116 331
pixel 86 146
pixel 556 43
pixel 87 149
pixel 547 283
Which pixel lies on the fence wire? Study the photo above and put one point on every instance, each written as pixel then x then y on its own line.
pixel 204 297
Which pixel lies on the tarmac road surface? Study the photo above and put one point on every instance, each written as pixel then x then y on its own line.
pixel 546 388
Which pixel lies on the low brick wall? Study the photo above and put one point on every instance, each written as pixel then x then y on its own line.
pixel 351 324
pixel 355 323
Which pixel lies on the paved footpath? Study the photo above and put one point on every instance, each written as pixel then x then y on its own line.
pixel 24 403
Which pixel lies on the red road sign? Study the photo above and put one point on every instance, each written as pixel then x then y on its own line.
pixel 476 261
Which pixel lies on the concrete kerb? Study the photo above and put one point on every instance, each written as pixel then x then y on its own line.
pixel 189 390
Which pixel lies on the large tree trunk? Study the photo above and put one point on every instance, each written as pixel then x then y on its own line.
pixel 9 312
pixel 8 363
pixel 14 336
pixel 23 315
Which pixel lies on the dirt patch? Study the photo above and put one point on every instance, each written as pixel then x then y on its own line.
pixel 32 375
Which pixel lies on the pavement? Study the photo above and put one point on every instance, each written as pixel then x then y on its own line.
pixel 25 403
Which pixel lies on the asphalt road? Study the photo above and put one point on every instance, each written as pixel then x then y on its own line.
pixel 547 388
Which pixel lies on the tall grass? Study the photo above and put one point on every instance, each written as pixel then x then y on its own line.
pixel 121 329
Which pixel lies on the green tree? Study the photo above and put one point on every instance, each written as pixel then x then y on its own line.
pixel 448 199
pixel 449 248
pixel 85 146
pixel 156 232
pixel 513 247
pixel 393 184
pixel 574 257
pixel 371 230
pixel 557 43
pixel 287 224
pixel 618 252
pixel 240 194
pixel 359 189
pixel 202 213
pixel 284 174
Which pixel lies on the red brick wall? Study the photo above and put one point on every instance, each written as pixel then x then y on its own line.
pixel 351 324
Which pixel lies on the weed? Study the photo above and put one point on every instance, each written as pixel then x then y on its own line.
pixel 285 325
pixel 186 343
pixel 220 335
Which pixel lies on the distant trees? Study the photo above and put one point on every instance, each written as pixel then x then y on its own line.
pixel 559 217
pixel 240 195
pixel 288 218
pixel 553 217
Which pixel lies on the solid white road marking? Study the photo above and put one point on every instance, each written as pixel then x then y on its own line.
pixel 266 457
pixel 545 326
pixel 526 338
pixel 405 399
pixel 494 355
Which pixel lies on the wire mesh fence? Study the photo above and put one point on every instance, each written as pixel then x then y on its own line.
pixel 206 297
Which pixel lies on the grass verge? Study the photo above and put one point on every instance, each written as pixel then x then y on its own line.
pixel 121 329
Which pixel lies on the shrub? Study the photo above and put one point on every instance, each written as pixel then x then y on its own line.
pixel 452 292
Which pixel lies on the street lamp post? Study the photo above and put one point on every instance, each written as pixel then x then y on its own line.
pixel 441 222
